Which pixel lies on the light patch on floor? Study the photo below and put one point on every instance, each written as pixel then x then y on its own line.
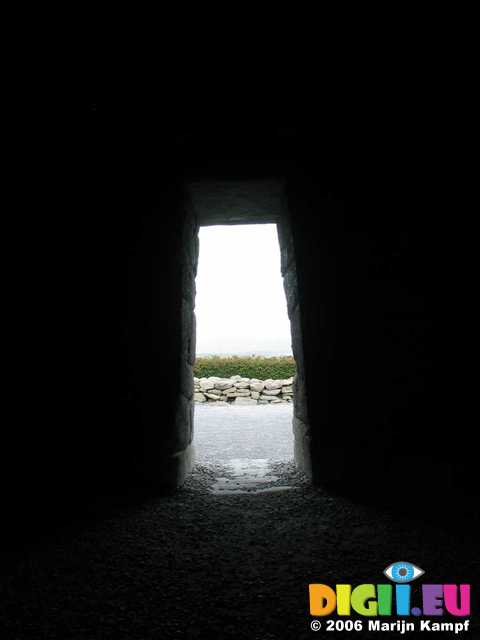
pixel 247 476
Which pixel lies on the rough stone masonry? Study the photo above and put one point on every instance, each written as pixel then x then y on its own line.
pixel 238 390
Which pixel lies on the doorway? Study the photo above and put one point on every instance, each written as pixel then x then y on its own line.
pixel 235 202
pixel 244 368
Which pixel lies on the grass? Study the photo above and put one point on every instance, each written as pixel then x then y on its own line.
pixel 260 367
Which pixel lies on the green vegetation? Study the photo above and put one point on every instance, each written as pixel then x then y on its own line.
pixel 248 367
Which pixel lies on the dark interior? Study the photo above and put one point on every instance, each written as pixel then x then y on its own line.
pixel 377 252
pixel 377 286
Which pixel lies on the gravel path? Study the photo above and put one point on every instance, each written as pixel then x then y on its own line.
pixel 219 566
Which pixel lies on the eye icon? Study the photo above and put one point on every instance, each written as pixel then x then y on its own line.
pixel 403 572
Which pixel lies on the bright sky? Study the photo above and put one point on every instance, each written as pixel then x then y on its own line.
pixel 240 304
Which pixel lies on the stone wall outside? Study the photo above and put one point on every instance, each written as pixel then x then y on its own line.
pixel 242 391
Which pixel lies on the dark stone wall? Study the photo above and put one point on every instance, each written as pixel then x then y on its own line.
pixel 96 393
pixel 100 374
pixel 301 424
pixel 386 424
pixel 157 336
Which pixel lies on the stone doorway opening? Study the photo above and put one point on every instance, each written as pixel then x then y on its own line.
pixel 232 203
pixel 244 370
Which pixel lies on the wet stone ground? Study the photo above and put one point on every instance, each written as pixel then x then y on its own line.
pixel 220 564
pixel 248 432
pixel 246 446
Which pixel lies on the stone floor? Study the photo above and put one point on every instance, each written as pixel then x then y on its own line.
pixel 245 440
pixel 207 563
pixel 261 431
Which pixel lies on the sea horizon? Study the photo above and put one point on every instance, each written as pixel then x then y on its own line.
pixel 244 354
